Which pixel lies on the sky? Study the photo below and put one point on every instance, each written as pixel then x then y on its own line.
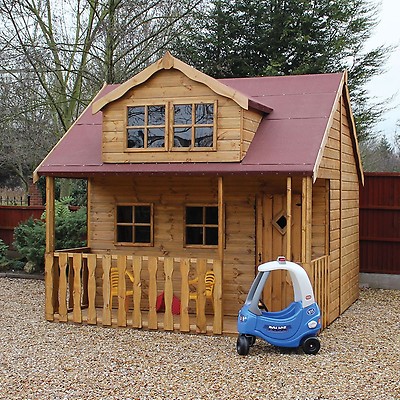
pixel 388 84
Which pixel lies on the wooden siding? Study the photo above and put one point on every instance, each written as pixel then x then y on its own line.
pixel 169 196
pixel 234 130
pixel 338 165
pixel 250 121
pixel 320 218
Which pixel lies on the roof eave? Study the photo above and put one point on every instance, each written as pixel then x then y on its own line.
pixel 169 62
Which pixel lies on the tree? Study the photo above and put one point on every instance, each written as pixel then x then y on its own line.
pixel 68 49
pixel 279 37
pixel 380 156
pixel 26 128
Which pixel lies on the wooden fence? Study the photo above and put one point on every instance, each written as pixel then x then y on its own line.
pixel 78 289
pixel 320 282
pixel 11 216
pixel 380 223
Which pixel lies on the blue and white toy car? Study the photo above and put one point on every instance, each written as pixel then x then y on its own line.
pixel 295 326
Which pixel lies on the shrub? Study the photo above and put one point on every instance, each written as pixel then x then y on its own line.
pixel 3 254
pixel 30 240
pixel 70 232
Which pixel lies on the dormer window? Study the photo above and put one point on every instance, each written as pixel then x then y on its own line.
pixel 171 127
pixel 146 127
pixel 193 125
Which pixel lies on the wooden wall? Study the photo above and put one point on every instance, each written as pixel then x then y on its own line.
pixel 235 127
pixel 320 219
pixel 169 196
pixel 339 166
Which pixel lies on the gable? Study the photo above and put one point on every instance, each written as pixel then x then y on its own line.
pixel 339 151
pixel 168 91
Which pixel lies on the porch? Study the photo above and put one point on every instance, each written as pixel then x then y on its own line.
pixel 78 289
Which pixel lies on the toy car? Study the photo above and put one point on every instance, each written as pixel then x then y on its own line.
pixel 295 326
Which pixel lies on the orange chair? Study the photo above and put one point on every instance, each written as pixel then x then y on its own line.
pixel 114 285
pixel 209 280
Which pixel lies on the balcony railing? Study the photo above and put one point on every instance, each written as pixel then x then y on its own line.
pixel 320 282
pixel 78 289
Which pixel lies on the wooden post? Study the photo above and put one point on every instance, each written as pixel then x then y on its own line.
pixel 50 215
pixel 107 306
pixel 91 265
pixel 51 280
pixel 63 264
pixel 306 224
pixel 137 292
pixel 168 294
pixel 185 322
pixel 219 315
pixel 152 266
pixel 121 314
pixel 288 218
pixel 201 320
pixel 88 212
pixel 77 266
pixel 221 235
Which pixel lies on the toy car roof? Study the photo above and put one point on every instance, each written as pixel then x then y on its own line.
pixel 302 288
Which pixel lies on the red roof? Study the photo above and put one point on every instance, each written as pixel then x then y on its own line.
pixel 287 141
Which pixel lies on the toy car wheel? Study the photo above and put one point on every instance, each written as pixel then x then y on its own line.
pixel 311 345
pixel 242 345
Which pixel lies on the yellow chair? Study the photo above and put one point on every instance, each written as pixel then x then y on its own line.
pixel 114 285
pixel 209 280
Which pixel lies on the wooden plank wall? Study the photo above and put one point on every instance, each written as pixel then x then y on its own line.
pixel 174 86
pixel 169 196
pixel 339 166
pixel 320 219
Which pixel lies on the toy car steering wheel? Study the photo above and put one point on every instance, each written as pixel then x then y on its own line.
pixel 262 305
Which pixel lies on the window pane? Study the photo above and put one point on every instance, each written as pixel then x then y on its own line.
pixel 142 234
pixel 183 114
pixel 212 215
pixel 156 115
pixel 136 116
pixel 124 214
pixel 211 236
pixel 135 138
pixel 182 137
pixel 194 215
pixel 124 234
pixel 194 235
pixel 203 137
pixel 142 214
pixel 155 137
pixel 204 114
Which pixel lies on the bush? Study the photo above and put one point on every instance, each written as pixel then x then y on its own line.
pixel 3 254
pixel 30 240
pixel 70 232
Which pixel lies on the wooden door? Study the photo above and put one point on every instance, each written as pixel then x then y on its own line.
pixel 271 242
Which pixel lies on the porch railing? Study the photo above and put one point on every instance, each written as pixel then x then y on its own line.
pixel 78 288
pixel 320 282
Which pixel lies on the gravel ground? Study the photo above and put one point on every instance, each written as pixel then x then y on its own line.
pixel 359 357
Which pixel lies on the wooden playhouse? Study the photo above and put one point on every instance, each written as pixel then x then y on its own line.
pixel 189 175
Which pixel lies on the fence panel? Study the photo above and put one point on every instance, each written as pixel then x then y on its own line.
pixel 380 223
pixel 11 216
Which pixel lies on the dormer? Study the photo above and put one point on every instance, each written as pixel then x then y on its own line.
pixel 171 112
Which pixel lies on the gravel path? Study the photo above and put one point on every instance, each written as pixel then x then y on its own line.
pixel 359 357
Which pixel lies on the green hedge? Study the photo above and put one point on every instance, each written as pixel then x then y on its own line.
pixel 70 232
